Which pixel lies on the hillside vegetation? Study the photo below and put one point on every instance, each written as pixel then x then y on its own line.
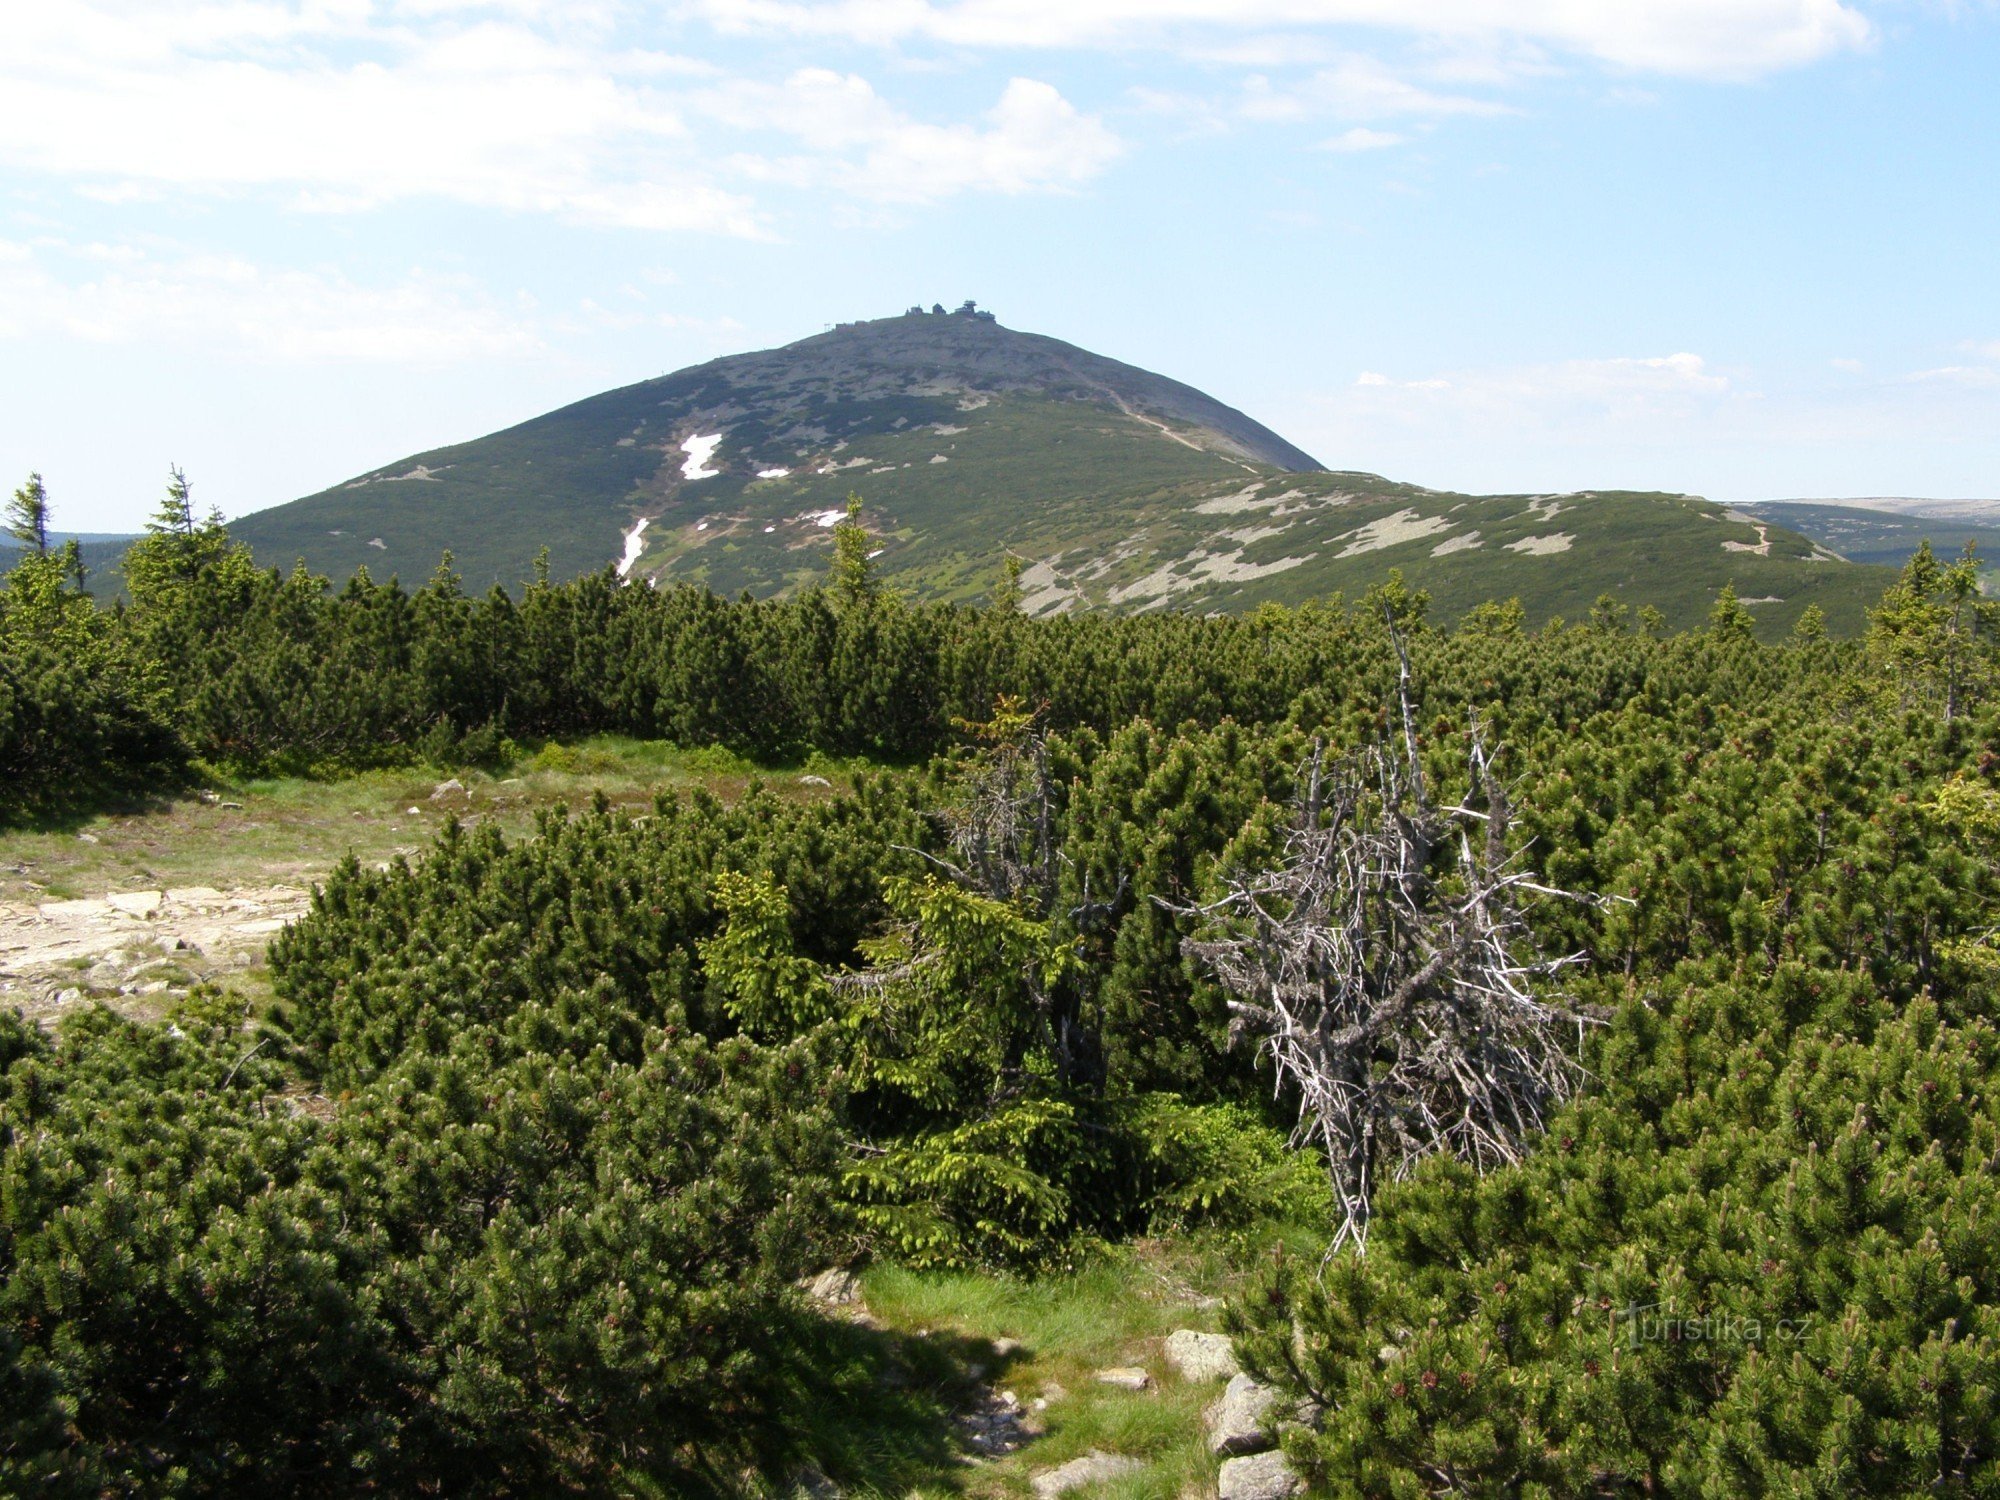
pixel 968 443
pixel 1648 1101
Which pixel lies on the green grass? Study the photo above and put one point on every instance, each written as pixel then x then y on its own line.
pixel 291 829
pixel 1114 1310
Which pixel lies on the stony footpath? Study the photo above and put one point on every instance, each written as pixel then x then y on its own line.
pixel 135 950
pixel 1013 1409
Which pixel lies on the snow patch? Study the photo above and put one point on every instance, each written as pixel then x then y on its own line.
pixel 826 518
pixel 634 545
pixel 699 451
pixel 772 473
pixel 939 458
pixel 1542 546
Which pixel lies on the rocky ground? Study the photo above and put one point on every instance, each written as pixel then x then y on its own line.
pixel 136 950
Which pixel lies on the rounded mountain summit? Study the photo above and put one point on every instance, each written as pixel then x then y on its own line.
pixel 966 441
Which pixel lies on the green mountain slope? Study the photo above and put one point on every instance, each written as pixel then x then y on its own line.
pixel 966 440
pixel 1038 417
pixel 1862 533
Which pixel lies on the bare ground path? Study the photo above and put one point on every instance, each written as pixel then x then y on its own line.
pixel 135 950
pixel 132 907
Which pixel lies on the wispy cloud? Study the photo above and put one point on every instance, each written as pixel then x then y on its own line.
pixel 854 140
pixel 192 299
pixel 340 110
pixel 1699 38
pixel 1361 138
pixel 339 106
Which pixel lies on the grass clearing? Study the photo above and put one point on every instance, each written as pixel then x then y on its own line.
pixel 1115 1310
pixel 236 856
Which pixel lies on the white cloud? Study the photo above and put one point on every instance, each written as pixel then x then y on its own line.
pixel 1361 138
pixel 1355 88
pixel 1031 139
pixel 1608 385
pixel 1972 375
pixel 1703 38
pixel 1984 348
pixel 194 299
pixel 344 109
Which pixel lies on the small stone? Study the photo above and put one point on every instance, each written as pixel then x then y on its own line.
pixel 1125 1377
pixel 446 788
pixel 1239 1421
pixel 1201 1356
pixel 1006 1348
pixel 814 781
pixel 86 838
pixel 811 1483
pixel 237 805
pixel 1261 1476
pixel 414 812
pixel 1094 1467
pixel 1052 1392
pixel 834 1287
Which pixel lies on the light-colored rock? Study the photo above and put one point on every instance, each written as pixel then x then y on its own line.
pixel 447 788
pixel 1125 1377
pixel 1241 1421
pixel 1261 1476
pixel 1201 1356
pixel 1007 1348
pixel 834 1287
pixel 810 780
pixel 1094 1467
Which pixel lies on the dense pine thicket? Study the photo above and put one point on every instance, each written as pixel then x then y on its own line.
pixel 512 1191
pixel 254 671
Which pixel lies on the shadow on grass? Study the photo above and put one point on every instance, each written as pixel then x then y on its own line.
pixel 875 1410
pixel 69 813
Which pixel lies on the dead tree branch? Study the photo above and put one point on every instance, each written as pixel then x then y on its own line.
pixel 1385 964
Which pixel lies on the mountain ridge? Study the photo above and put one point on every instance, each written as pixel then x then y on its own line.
pixel 967 441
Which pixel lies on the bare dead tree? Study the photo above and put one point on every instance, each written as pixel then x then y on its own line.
pixel 1385 964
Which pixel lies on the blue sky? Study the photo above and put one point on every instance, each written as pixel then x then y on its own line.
pixel 1743 248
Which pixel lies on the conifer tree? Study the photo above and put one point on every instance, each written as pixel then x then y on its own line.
pixel 28 515
pixel 853 569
